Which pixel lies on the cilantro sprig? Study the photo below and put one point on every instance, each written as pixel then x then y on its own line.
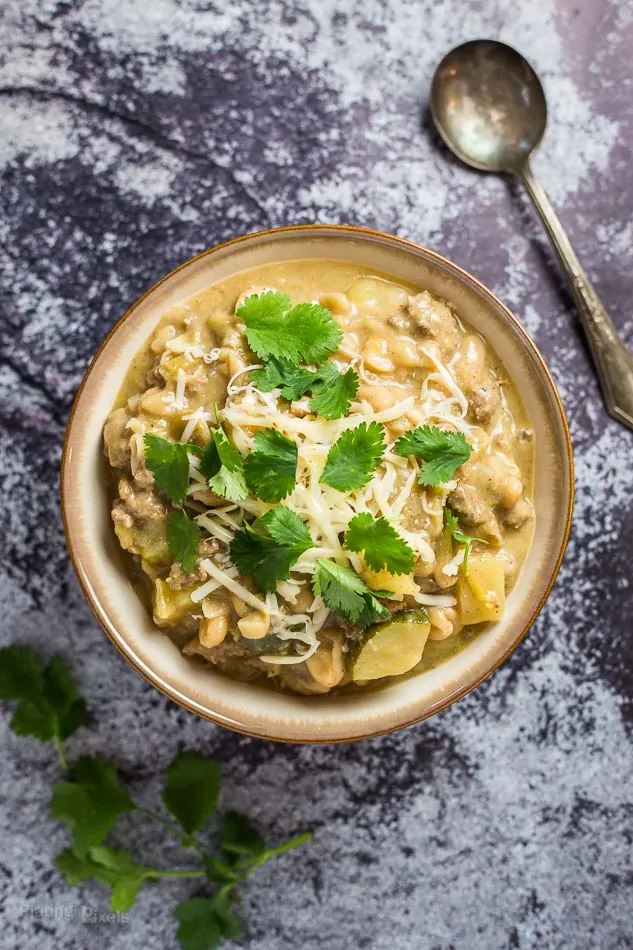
pixel 183 539
pixel 48 704
pixel 332 391
pixel 223 467
pixel 354 457
pixel 305 333
pixel 292 380
pixel 381 545
pixel 452 523
pixel 169 463
pixel 92 799
pixel 271 470
pixel 345 593
pixel 442 452
pixel 269 554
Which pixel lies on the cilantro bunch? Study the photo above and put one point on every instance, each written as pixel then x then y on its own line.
pixel 92 799
pixel 284 337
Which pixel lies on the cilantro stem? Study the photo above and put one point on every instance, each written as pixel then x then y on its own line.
pixel 175 873
pixel 60 751
pixel 185 840
pixel 251 864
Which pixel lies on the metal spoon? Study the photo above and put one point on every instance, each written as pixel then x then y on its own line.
pixel 489 107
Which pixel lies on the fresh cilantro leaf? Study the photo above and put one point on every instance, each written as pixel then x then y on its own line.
pixel 240 837
pixel 271 470
pixel 231 924
pixel 183 538
pixel 442 452
pixel 274 328
pixel 383 548
pixel 354 457
pixel 204 921
pixel 192 787
pixel 373 611
pixel 269 557
pixel 169 463
pixel 286 528
pixel 49 706
pixel 346 593
pixel 20 673
pixel 332 391
pixel 223 467
pixel 452 523
pixel 117 869
pixel 248 550
pixel 90 803
pixel 293 380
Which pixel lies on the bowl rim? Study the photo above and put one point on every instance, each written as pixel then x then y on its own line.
pixel 153 678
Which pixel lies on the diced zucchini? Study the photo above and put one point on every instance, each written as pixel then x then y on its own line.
pixel 391 648
pixel 153 542
pixel 149 539
pixel 170 606
pixel 372 293
pixel 481 592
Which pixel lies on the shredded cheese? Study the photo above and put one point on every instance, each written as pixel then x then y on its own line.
pixel 227 580
pixel 181 383
pixel 326 511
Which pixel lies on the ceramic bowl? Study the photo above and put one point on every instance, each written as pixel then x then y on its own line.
pixel 260 711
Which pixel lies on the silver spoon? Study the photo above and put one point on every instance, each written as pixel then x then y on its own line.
pixel 489 107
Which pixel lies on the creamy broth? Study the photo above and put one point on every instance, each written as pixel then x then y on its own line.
pixel 418 364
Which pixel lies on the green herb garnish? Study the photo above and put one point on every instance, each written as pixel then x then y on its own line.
pixel 223 467
pixel 268 555
pixel 306 333
pixel 383 548
pixel 354 457
pixel 49 706
pixel 92 799
pixel 344 592
pixel 452 523
pixel 183 539
pixel 271 470
pixel 442 452
pixel 292 380
pixel 169 463
pixel 332 391
pixel 90 803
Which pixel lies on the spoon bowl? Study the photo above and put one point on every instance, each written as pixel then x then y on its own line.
pixel 488 105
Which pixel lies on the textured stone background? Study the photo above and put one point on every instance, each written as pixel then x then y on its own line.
pixel 134 135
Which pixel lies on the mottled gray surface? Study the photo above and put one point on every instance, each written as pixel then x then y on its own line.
pixel 134 135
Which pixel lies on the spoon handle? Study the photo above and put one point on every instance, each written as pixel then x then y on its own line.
pixel 613 362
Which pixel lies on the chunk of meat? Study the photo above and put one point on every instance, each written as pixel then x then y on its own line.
pixel 178 579
pixel 469 504
pixel 143 478
pixel 121 516
pixel 117 438
pixel 435 321
pixel 400 321
pixel 497 479
pixel 484 401
pixel 518 515
pixel 142 503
